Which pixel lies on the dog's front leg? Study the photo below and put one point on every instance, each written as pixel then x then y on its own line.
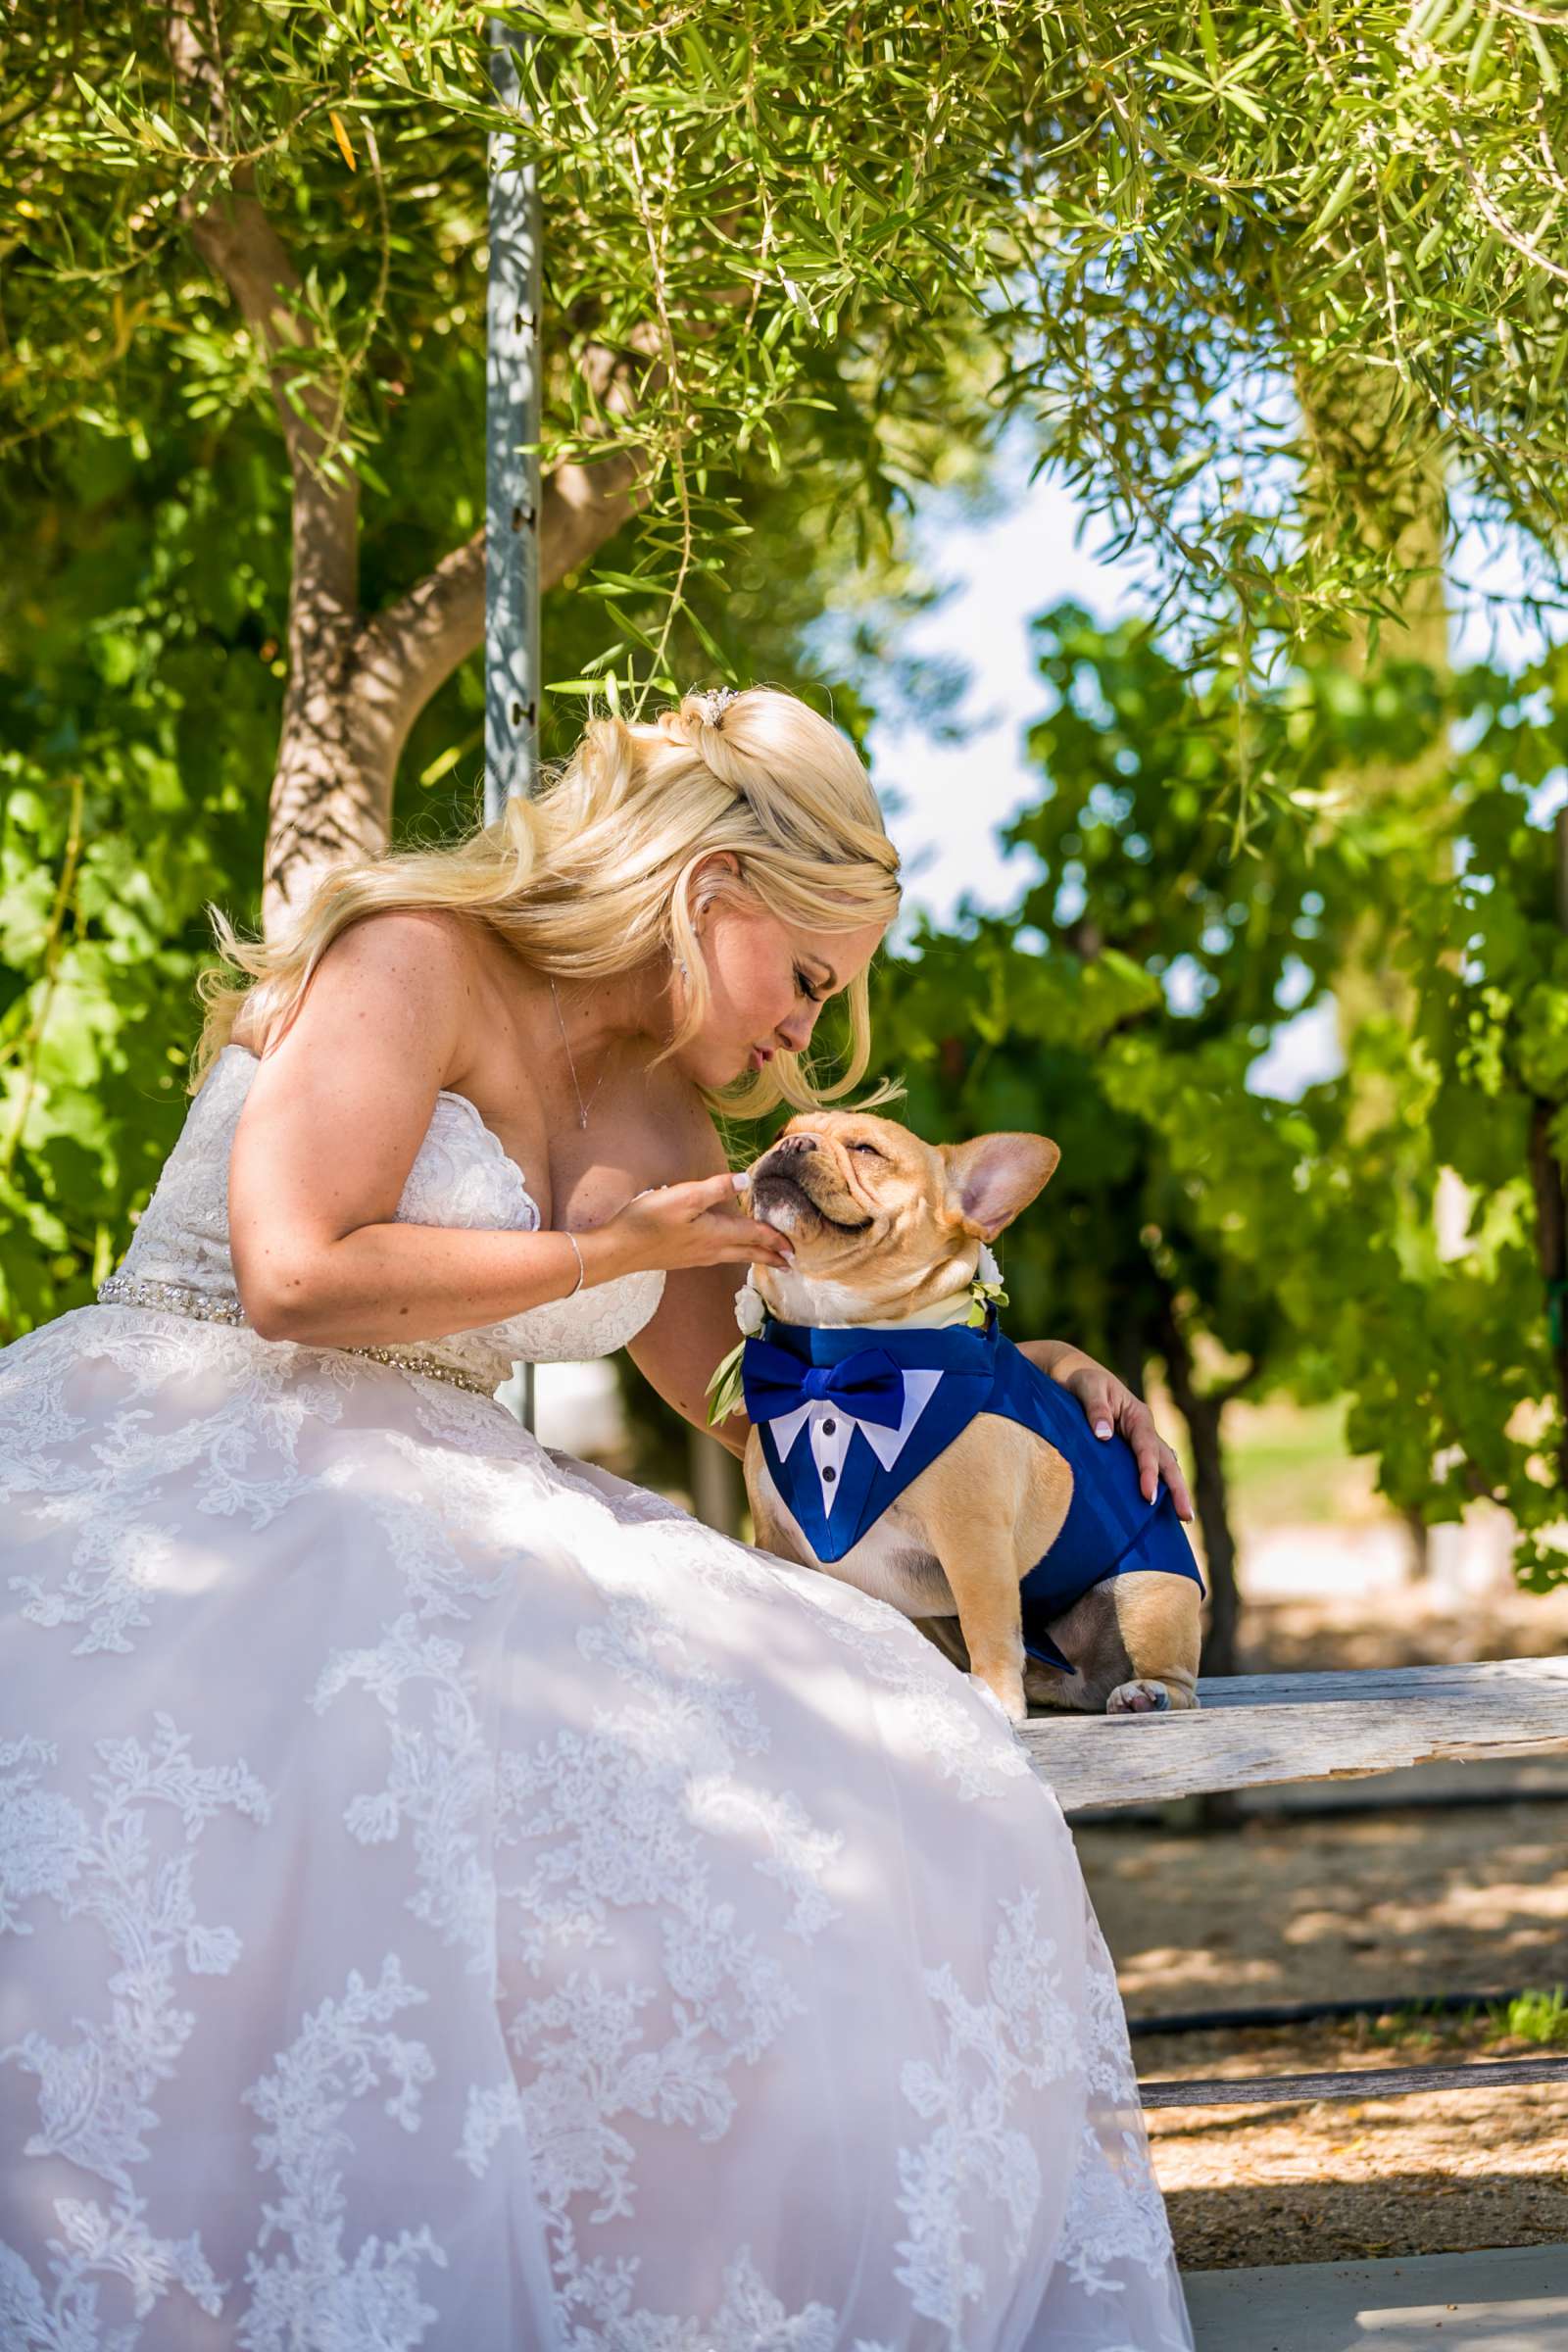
pixel 974 1549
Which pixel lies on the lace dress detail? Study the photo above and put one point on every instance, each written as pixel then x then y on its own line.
pixel 451 1901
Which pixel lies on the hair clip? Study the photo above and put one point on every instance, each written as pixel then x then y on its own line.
pixel 716 702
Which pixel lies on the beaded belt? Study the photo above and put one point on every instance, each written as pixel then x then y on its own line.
pixel 208 1307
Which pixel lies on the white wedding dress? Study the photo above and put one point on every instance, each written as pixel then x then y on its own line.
pixel 450 1898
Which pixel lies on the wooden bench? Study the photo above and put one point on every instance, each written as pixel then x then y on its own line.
pixel 1257 1729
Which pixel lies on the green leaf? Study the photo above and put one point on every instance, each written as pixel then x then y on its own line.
pixel 1339 197
pixel 724 1391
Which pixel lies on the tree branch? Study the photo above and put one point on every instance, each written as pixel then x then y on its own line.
pixel 409 649
pixel 238 242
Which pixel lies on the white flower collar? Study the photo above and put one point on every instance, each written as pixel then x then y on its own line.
pixel 750 1313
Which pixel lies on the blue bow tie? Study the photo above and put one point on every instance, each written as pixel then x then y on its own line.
pixel 867 1386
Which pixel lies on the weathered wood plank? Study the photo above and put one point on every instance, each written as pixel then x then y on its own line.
pixel 1357 1684
pixel 1369 2082
pixel 1253 1730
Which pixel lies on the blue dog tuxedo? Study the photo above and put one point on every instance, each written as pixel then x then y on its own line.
pixel 849 1417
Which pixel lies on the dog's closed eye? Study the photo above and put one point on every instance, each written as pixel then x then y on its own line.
pixel 871 1147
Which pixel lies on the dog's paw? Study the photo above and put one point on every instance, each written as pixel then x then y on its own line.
pixel 992 1700
pixel 1137 1699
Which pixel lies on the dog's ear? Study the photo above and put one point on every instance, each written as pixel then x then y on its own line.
pixel 991 1179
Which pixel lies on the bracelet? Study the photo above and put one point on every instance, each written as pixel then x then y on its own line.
pixel 581 1268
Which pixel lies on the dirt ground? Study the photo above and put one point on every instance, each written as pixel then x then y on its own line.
pixel 1402 1903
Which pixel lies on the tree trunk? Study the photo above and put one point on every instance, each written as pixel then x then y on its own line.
pixel 718 1492
pixel 1362 444
pixel 334 776
pixel 1204 1416
pixel 1551 1248
pixel 1416 1527
pixel 357 685
pixel 1376 478
pixel 1205 1419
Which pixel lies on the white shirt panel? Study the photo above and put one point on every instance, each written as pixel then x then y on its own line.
pixel 831 1426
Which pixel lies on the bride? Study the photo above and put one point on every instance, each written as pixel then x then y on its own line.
pixel 449 1897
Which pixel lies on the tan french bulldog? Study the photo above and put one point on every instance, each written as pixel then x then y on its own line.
pixel 870 1363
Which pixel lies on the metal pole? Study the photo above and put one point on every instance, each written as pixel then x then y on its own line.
pixel 512 466
pixel 511 469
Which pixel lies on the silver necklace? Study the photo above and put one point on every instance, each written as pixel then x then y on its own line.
pixel 582 1107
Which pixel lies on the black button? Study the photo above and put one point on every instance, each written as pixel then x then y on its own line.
pixel 828 1427
pixel 829 1474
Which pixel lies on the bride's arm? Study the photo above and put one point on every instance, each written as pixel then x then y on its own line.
pixel 331 1126
pixel 693 1331
pixel 1111 1405
pixel 695 1327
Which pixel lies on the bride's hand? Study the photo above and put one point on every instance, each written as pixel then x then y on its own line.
pixel 678 1225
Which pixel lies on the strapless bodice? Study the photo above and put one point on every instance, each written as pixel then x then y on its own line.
pixel 462 1176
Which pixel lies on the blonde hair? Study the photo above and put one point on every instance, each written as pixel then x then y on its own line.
pixel 592 874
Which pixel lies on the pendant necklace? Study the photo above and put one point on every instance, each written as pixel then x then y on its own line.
pixel 583 1107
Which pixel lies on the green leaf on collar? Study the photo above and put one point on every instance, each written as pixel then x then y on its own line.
pixel 983 1293
pixel 724 1391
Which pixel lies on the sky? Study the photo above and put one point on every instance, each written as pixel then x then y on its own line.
pixel 951 799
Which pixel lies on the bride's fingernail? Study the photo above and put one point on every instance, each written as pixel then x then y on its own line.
pixel 740 1180
pixel 1102 1429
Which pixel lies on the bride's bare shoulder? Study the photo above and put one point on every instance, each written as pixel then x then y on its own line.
pixel 425 961
pixel 411 947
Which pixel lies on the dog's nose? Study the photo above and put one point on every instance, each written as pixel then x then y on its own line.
pixel 796 1143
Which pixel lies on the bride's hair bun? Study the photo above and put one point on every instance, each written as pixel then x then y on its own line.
pixel 601 871
pixel 697 723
